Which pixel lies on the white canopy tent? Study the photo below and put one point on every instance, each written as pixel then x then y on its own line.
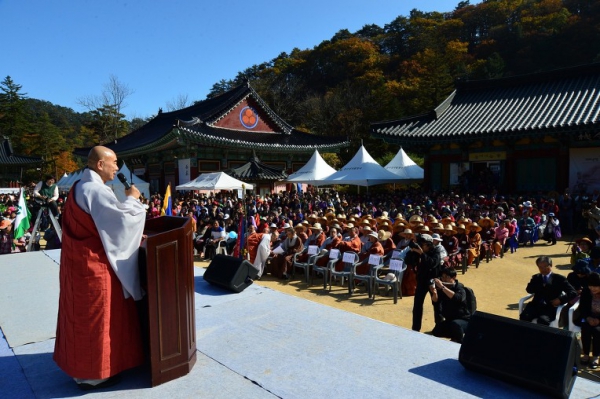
pixel 214 181
pixel 406 168
pixel 313 172
pixel 362 170
pixel 65 183
pixel 119 189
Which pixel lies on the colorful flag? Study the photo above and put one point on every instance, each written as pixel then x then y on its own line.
pixel 238 251
pixel 23 217
pixel 167 207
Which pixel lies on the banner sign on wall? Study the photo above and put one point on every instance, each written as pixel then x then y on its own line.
pixel 184 170
pixel 584 170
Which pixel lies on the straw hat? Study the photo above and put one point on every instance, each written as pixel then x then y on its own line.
pixel 446 221
pixel 485 222
pixel 316 226
pixel 333 221
pixel 330 215
pixel 384 226
pixel 312 217
pixel 373 234
pixel 365 222
pixel 414 219
pixel 341 216
pixel 424 229
pixel 460 227
pixel 367 229
pixel 383 235
pixel 384 216
pixel 400 219
pixel 438 227
pixel 322 219
pixel 399 227
pixel 449 227
pixel 475 226
pixel 300 227
pixel 349 226
pixel 407 233
pixel 586 240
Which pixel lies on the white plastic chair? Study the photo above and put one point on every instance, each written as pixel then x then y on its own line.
pixel 349 259
pixel 572 326
pixel 373 261
pixel 397 267
pixel 221 248
pixel 553 323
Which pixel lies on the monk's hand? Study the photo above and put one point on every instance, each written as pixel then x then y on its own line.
pixel 133 192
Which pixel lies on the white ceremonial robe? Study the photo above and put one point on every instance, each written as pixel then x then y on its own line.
pixel 120 225
pixel 262 253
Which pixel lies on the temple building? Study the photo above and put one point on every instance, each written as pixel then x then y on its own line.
pixel 536 132
pixel 218 134
pixel 13 165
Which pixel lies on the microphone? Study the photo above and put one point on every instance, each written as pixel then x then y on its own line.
pixel 123 180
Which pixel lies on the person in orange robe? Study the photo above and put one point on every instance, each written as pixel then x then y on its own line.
pixel 351 243
pixel 98 328
pixel 375 249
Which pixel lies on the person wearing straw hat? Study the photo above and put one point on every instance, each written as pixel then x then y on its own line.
pixel 581 250
pixel 317 238
pixel 385 238
pixel 397 229
pixel 301 232
pixel 374 249
pixel 384 225
pixel 407 236
pixel 364 237
pixel 474 238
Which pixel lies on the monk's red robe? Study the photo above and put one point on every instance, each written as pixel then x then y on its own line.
pixel 98 330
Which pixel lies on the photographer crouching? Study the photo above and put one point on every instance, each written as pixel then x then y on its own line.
pixel 46 194
pixel 450 296
pixel 428 267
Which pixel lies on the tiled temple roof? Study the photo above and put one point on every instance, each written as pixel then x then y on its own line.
pixel 565 101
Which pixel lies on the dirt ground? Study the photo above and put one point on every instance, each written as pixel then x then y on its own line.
pixel 498 286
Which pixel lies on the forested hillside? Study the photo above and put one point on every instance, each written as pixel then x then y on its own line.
pixel 378 73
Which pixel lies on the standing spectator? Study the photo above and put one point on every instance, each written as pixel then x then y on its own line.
pixel 450 296
pixel 549 291
pixel 428 268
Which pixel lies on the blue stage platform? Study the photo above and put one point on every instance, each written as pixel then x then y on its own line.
pixel 259 343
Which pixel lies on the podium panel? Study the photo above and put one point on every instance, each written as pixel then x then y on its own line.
pixel 169 284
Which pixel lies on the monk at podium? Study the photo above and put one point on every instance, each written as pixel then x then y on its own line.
pixel 98 329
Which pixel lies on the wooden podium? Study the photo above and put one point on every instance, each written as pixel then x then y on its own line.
pixel 167 275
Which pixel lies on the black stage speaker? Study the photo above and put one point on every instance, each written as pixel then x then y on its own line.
pixel 230 273
pixel 537 357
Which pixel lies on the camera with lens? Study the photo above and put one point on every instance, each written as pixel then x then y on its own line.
pixel 413 244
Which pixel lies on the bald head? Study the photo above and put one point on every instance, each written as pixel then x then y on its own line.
pixel 103 161
pixel 98 153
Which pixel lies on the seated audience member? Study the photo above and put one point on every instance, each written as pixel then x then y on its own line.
pixel 474 238
pixel 589 320
pixel 6 239
pixel 450 296
pixel 549 291
pixel 217 234
pixel 374 249
pixel 282 263
pixel 582 249
pixel 385 238
pixel 500 237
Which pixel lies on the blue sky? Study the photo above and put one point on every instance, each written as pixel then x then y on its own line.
pixel 62 50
